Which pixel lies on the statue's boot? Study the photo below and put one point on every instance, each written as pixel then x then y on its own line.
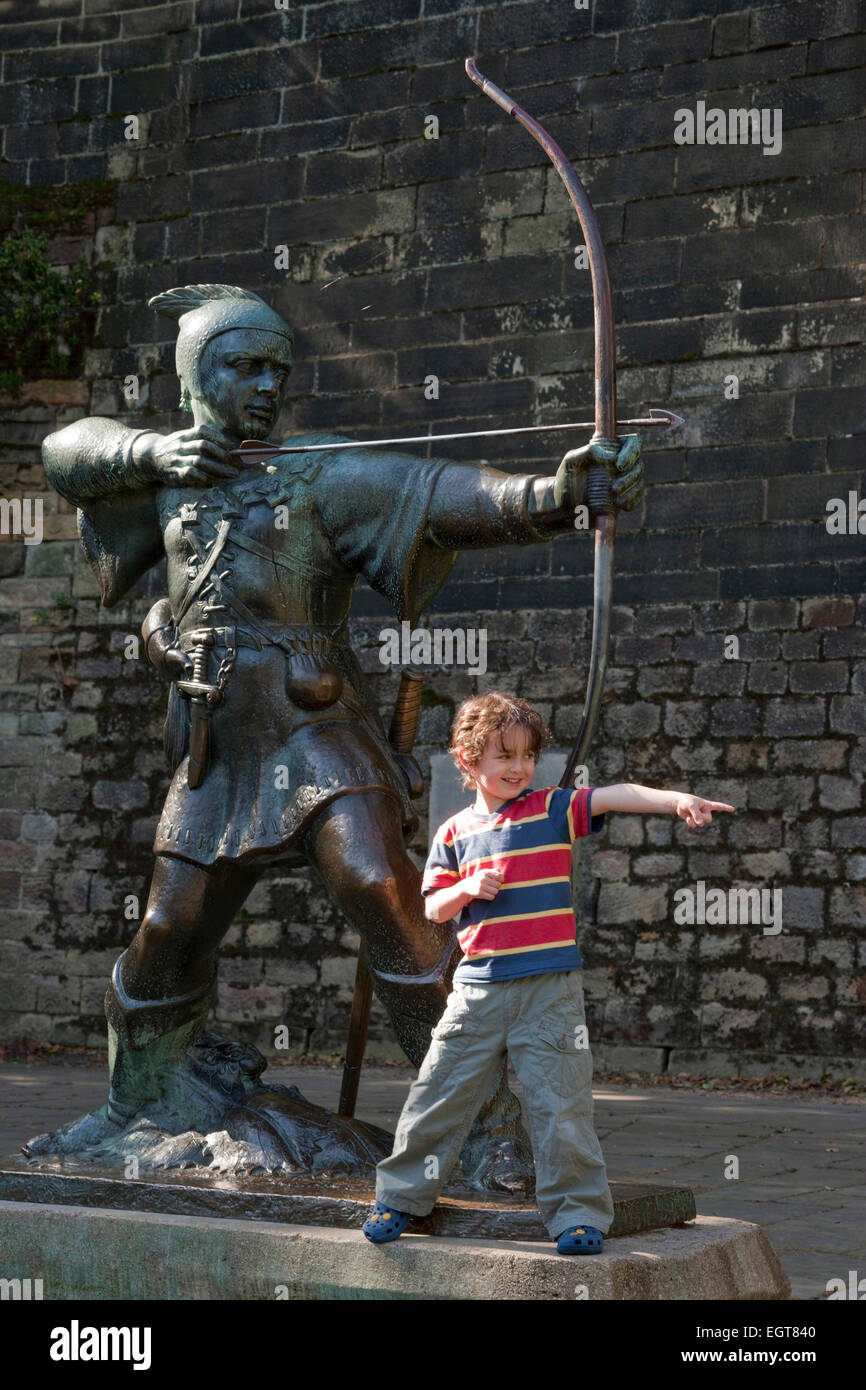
pixel 147 1040
pixel 497 1155
pixel 192 1082
pixel 147 1043
pixel 181 1097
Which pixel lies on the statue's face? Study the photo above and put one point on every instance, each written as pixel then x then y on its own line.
pixel 243 376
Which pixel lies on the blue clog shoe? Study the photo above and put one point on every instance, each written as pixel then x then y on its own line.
pixel 580 1240
pixel 385 1223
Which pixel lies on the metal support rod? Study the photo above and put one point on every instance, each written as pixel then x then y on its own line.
pixel 401 736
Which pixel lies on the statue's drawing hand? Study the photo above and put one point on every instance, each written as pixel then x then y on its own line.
pixel 695 811
pixel 484 883
pixel 177 665
pixel 195 457
pixel 627 484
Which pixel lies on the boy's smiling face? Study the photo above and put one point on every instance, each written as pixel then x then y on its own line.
pixel 505 769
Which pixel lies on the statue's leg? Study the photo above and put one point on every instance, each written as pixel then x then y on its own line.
pixel 189 911
pixel 356 845
pixel 162 987
pixel 156 1005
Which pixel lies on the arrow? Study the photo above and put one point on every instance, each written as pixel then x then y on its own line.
pixel 663 419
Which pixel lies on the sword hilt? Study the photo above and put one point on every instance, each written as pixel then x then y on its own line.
pixel 198 687
pixel 200 690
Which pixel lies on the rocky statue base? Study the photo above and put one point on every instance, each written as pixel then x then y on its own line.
pixel 218 1114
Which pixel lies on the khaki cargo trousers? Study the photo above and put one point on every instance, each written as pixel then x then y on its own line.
pixel 539 1021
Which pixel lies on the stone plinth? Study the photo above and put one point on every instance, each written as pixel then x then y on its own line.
pixel 84 1253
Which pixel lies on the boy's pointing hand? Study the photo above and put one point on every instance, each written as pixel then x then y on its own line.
pixel 695 811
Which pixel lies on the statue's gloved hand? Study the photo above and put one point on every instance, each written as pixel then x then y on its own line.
pixel 627 483
pixel 195 457
pixel 170 662
pixel 160 643
pixel 175 664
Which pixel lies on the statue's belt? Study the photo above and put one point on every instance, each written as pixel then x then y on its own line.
pixel 308 644
pixel 218 637
pixel 294 641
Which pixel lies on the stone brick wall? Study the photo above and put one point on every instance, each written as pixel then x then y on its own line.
pixel 455 257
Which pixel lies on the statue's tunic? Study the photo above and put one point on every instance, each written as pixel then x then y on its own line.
pixel 275 764
pixel 327 518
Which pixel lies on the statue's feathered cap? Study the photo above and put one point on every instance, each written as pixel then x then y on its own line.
pixel 205 311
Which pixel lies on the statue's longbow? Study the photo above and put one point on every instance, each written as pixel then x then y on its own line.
pixel 598 490
pixel 598 482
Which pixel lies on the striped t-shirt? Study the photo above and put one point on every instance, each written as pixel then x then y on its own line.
pixel 529 927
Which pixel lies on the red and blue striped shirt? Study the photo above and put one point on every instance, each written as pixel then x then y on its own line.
pixel 529 928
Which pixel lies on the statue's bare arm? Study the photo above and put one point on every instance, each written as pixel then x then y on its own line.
pixel 97 457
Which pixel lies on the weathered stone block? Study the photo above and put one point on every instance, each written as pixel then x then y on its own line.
pixel 732 984
pixel 120 796
pixel 624 903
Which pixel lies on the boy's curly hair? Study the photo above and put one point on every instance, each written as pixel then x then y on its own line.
pixel 483 715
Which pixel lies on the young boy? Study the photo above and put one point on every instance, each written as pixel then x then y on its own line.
pixel 504 864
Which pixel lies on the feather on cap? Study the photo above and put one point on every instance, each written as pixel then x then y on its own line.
pixel 185 298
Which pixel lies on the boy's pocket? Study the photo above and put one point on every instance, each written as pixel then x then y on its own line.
pixel 456 1021
pixel 556 1033
pixel 562 1025
pixel 566 1037
pixel 563 1056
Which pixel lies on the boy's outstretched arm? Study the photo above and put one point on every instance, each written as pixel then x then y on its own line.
pixel 628 796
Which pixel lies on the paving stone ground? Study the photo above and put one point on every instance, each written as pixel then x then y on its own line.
pixel 802 1162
